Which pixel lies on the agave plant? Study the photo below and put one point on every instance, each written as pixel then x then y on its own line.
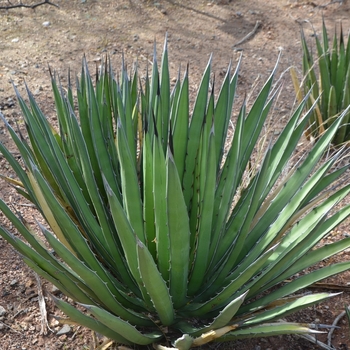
pixel 333 85
pixel 159 231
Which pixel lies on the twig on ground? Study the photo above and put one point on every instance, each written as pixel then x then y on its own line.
pixel 335 322
pixel 74 334
pixel 315 341
pixel 13 330
pixel 331 286
pixel 331 3
pixel 249 35
pixel 27 205
pixel 33 6
pixel 42 307
pixel 19 312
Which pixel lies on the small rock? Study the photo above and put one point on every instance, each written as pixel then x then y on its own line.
pixel 13 282
pixel 15 40
pixel 46 24
pixel 64 330
pixel 29 283
pixel 2 311
pixel 10 102
pixel 55 290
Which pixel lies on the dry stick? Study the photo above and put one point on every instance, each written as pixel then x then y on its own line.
pixel 42 307
pixel 315 341
pixel 13 330
pixel 337 319
pixel 331 3
pixel 9 7
pixel 249 35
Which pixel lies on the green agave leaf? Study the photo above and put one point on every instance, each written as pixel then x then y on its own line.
pixel 225 316
pixel 129 183
pixel 342 135
pixel 56 282
pixel 284 146
pixel 267 330
pixel 29 236
pixel 334 60
pixel 297 284
pixel 324 183
pixel 325 81
pixel 226 188
pixel 165 95
pixel 233 284
pixel 332 105
pixel 179 234
pixel 207 194
pixel 148 196
pixel 18 170
pixel 194 134
pixel 128 240
pixel 287 308
pixel 99 117
pixel 118 325
pixel 341 69
pixel 223 110
pixel 64 109
pixel 310 84
pixel 127 120
pixel 100 289
pixel 255 120
pixel 73 234
pixel 89 322
pixel 52 270
pixel 37 119
pixel 314 256
pixel 60 169
pixel 155 285
pixel 289 190
pixel 160 207
pixel 47 212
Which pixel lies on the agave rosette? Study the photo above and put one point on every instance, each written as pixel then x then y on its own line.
pixel 137 193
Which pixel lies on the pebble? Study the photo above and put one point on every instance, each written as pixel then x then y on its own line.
pixel 15 40
pixel 64 330
pixel 13 282
pixel 2 311
pixel 55 290
pixel 46 24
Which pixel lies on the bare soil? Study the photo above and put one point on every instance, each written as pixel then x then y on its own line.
pixel 30 40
